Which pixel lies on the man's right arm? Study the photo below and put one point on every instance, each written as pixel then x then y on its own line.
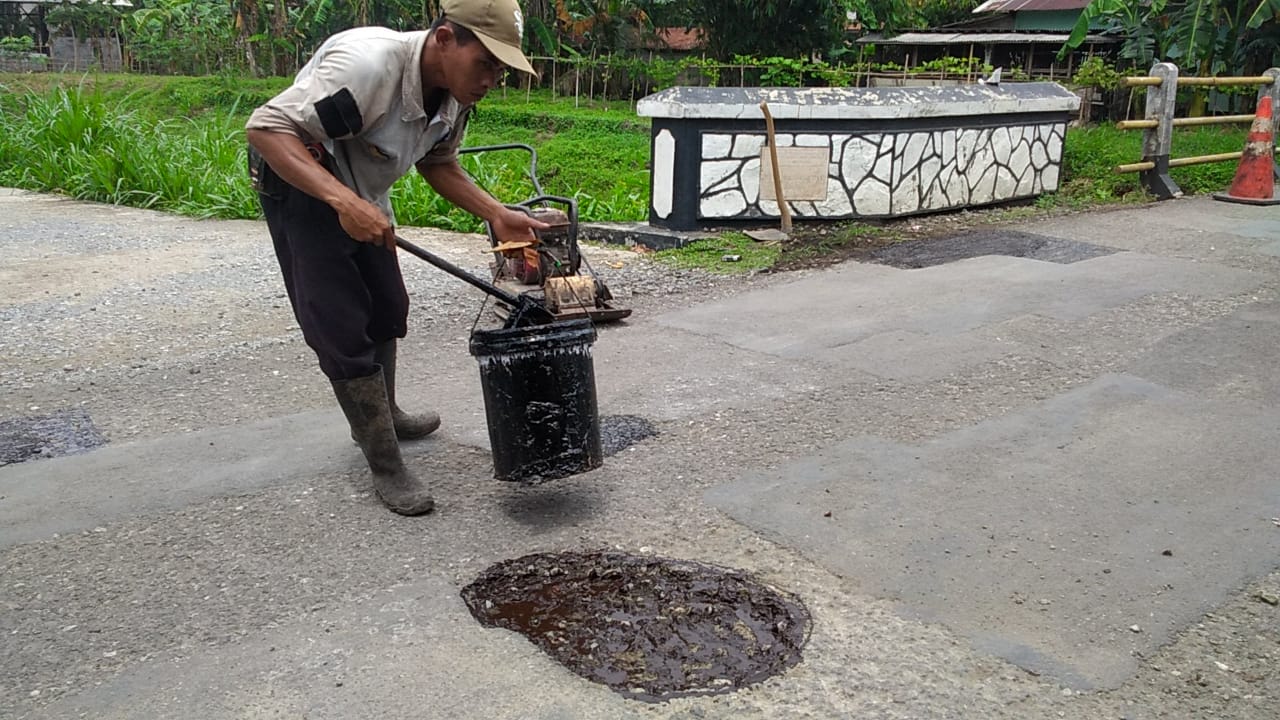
pixel 291 160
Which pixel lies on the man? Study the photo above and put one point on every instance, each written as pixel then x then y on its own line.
pixel 371 104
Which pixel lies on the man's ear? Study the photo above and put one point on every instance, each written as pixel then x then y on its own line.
pixel 445 35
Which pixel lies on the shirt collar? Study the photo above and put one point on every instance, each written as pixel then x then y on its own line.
pixel 411 90
pixel 411 81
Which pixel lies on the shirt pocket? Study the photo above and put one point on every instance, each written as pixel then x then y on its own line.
pixel 379 153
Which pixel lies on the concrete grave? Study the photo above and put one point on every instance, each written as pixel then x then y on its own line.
pixel 851 152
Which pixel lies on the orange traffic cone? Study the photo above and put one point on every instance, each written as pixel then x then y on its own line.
pixel 1255 180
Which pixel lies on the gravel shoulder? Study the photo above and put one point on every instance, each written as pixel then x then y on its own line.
pixel 155 323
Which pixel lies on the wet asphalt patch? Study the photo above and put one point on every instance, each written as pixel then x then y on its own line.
pixel 650 628
pixel 36 437
pixel 619 432
pixel 915 254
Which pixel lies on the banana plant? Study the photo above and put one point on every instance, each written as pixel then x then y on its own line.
pixel 1142 25
pixel 1201 34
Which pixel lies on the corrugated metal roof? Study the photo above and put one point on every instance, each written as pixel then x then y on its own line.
pixel 1031 5
pixel 975 38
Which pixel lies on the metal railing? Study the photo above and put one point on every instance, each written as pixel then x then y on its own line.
pixel 1157 128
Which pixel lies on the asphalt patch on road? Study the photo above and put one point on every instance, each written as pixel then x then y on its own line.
pixel 915 254
pixel 619 432
pixel 38 437
pixel 650 628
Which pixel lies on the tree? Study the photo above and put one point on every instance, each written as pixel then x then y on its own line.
pixel 605 26
pixel 1206 37
pixel 1211 36
pixel 85 19
pixel 182 36
pixel 937 13
pixel 791 28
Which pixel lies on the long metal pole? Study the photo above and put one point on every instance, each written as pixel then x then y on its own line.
pixel 458 272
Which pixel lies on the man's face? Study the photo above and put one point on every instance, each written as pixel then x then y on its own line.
pixel 471 71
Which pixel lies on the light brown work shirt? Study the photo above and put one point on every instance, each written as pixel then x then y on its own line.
pixel 361 97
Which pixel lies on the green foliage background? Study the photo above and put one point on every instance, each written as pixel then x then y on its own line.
pixel 177 144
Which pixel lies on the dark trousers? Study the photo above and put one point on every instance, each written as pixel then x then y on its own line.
pixel 348 296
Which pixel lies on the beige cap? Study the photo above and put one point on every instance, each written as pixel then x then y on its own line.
pixel 498 23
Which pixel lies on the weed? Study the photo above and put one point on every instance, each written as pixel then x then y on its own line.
pixel 729 253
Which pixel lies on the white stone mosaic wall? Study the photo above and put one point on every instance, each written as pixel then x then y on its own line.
pixel 888 174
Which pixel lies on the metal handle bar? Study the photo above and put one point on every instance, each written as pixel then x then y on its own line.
pixel 533 159
pixel 522 305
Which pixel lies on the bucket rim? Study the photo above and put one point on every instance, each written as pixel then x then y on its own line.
pixel 562 333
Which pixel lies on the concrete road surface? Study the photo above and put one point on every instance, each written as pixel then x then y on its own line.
pixel 1026 472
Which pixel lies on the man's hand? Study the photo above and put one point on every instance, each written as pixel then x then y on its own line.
pixel 456 186
pixel 291 160
pixel 363 221
pixel 514 226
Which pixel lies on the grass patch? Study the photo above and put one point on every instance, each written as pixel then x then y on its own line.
pixel 810 245
pixel 1091 155
pixel 730 253
pixel 177 144
pixel 78 143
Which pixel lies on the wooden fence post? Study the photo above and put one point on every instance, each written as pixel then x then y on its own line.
pixel 1157 142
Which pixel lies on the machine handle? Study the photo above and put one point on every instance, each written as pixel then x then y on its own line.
pixel 522 305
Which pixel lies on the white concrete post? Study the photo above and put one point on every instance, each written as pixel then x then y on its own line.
pixel 1157 142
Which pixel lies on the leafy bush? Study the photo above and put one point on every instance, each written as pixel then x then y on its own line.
pixel 79 142
pixel 1095 72
pixel 22 44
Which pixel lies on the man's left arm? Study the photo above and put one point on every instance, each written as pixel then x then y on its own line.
pixel 452 182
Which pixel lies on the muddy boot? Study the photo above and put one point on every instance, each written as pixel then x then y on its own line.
pixel 408 427
pixel 364 402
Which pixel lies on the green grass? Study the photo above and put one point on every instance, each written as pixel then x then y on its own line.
pixel 729 253
pixel 1092 154
pixel 840 239
pixel 77 142
pixel 177 144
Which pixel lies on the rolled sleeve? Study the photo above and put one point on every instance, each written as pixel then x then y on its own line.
pixel 344 91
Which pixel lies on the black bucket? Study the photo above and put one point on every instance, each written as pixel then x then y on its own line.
pixel 540 400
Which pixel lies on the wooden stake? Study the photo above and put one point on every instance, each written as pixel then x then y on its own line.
pixel 777 171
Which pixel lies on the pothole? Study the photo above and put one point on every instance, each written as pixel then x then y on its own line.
pixel 619 432
pixel 650 628
pixel 939 251
pixel 35 437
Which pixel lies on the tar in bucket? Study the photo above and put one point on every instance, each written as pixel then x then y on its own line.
pixel 540 400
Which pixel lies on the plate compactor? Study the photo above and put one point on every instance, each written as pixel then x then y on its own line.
pixel 549 271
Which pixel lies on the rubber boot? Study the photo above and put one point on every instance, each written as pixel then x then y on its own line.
pixel 364 402
pixel 408 427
